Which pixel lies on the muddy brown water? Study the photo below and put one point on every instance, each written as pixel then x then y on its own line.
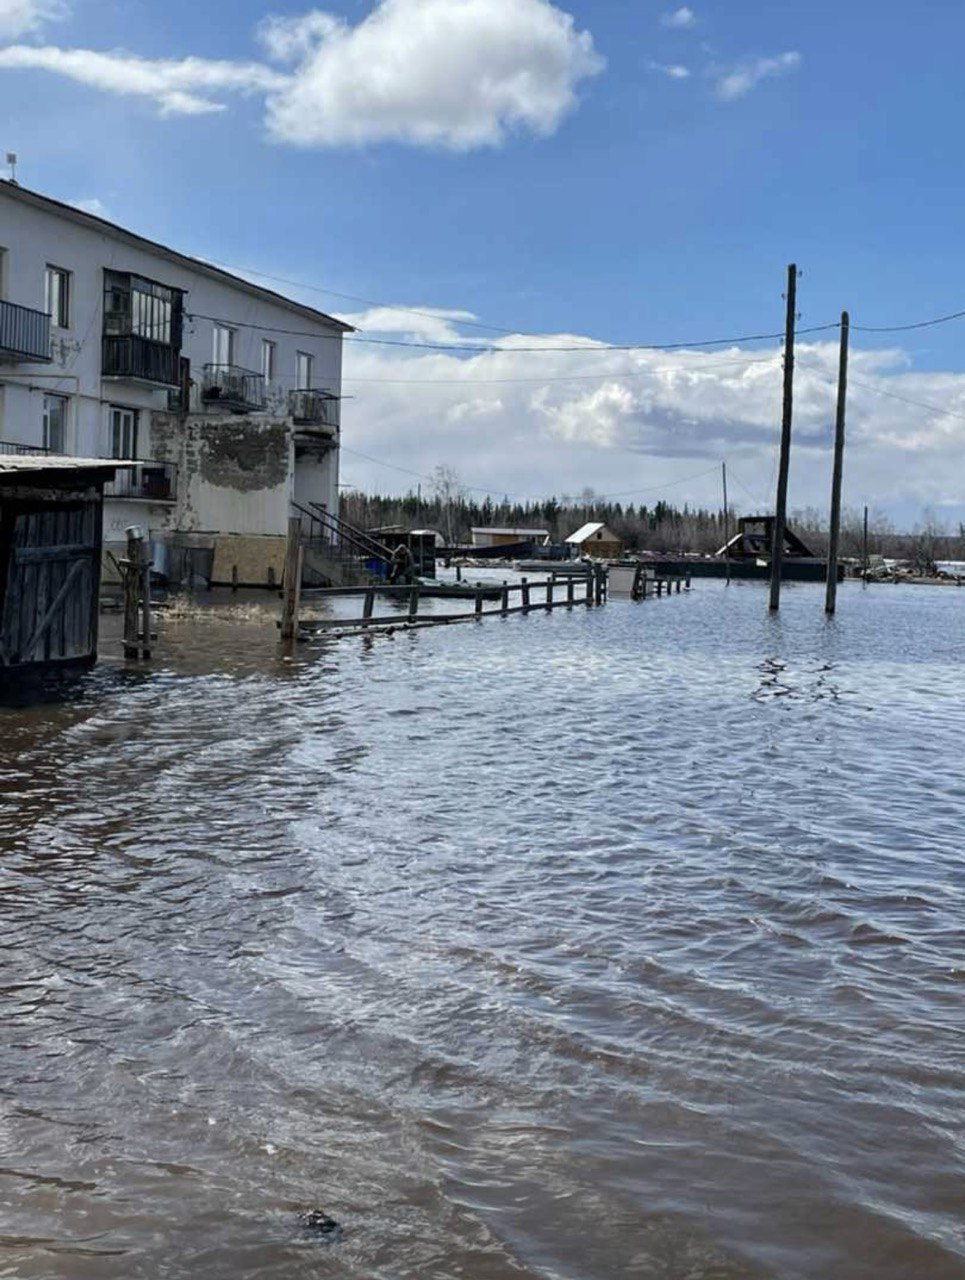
pixel 621 942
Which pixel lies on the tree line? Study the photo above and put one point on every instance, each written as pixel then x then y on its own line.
pixel 660 527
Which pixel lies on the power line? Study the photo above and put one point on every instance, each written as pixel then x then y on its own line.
pixel 476 349
pixel 905 328
pixel 565 377
pixel 352 297
pixel 494 328
pixel 561 378
pixel 891 395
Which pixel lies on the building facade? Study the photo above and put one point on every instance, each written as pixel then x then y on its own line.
pixel 226 395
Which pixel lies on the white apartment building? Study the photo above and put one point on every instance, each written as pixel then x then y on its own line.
pixel 226 394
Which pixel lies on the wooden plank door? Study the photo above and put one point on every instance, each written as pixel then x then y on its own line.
pixel 53 584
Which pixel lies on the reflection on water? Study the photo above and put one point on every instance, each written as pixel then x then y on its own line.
pixel 615 942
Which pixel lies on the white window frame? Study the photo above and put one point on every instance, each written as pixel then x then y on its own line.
pixel 304 359
pixel 58 301
pixel 50 398
pixel 269 360
pixel 123 423
pixel 223 340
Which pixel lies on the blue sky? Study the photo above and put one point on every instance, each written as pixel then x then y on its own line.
pixel 641 172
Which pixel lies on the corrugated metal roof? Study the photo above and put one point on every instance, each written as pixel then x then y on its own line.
pixel 58 462
pixel 587 531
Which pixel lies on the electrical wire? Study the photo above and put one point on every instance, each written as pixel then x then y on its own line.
pixel 477 349
pixel 906 328
pixel 614 375
pixel 352 297
pixel 890 395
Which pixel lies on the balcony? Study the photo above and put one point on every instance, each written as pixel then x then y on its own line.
pixel 144 481
pixel 128 357
pixel 24 333
pixel 13 448
pixel 313 409
pixel 225 386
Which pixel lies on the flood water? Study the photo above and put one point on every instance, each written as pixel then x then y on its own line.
pixel 620 942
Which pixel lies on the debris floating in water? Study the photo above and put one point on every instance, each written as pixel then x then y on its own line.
pixel 318 1222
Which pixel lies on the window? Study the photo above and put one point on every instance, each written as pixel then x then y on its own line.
pixel 141 308
pixel 57 296
pixel 123 432
pixel 223 350
pixel 3 273
pixel 267 360
pixel 55 423
pixel 304 371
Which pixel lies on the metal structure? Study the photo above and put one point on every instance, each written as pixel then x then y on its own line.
pixel 229 387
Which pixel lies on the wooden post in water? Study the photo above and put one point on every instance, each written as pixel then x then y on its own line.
pixel 504 599
pixel 132 580
pixel 525 586
pixel 479 604
pixel 369 604
pixel 144 578
pixel 414 602
pixel 569 592
pixel 780 507
pixel 831 594
pixel 723 472
pixel 292 583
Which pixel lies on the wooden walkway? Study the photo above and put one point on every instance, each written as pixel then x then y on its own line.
pixel 569 591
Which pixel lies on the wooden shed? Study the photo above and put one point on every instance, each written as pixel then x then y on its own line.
pixel 51 510
pixel 595 539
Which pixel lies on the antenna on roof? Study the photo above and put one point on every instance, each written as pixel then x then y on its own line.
pixel 12 162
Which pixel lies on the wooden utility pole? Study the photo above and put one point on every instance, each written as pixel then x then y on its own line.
pixel 864 548
pixel 780 510
pixel 831 594
pixel 723 472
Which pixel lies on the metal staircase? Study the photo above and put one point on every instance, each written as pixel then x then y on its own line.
pixel 337 554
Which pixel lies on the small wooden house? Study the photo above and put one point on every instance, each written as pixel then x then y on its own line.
pixel 596 540
pixel 51 511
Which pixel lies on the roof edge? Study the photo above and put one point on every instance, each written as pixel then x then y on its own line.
pixel 104 225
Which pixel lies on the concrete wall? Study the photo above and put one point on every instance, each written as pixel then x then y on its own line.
pixel 316 478
pixel 235 475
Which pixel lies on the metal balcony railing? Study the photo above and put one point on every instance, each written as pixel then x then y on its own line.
pixel 140 359
pixel 24 333
pixel 237 390
pixel 13 447
pixel 149 481
pixel 313 408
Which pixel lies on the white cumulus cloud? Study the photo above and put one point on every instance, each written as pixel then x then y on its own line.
pixel 448 73
pixel 739 81
pixel 509 420
pixel 179 87
pixel 674 71
pixel 457 74
pixel 22 17
pixel 680 18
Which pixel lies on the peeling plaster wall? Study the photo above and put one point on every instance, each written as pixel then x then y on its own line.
pixel 235 475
